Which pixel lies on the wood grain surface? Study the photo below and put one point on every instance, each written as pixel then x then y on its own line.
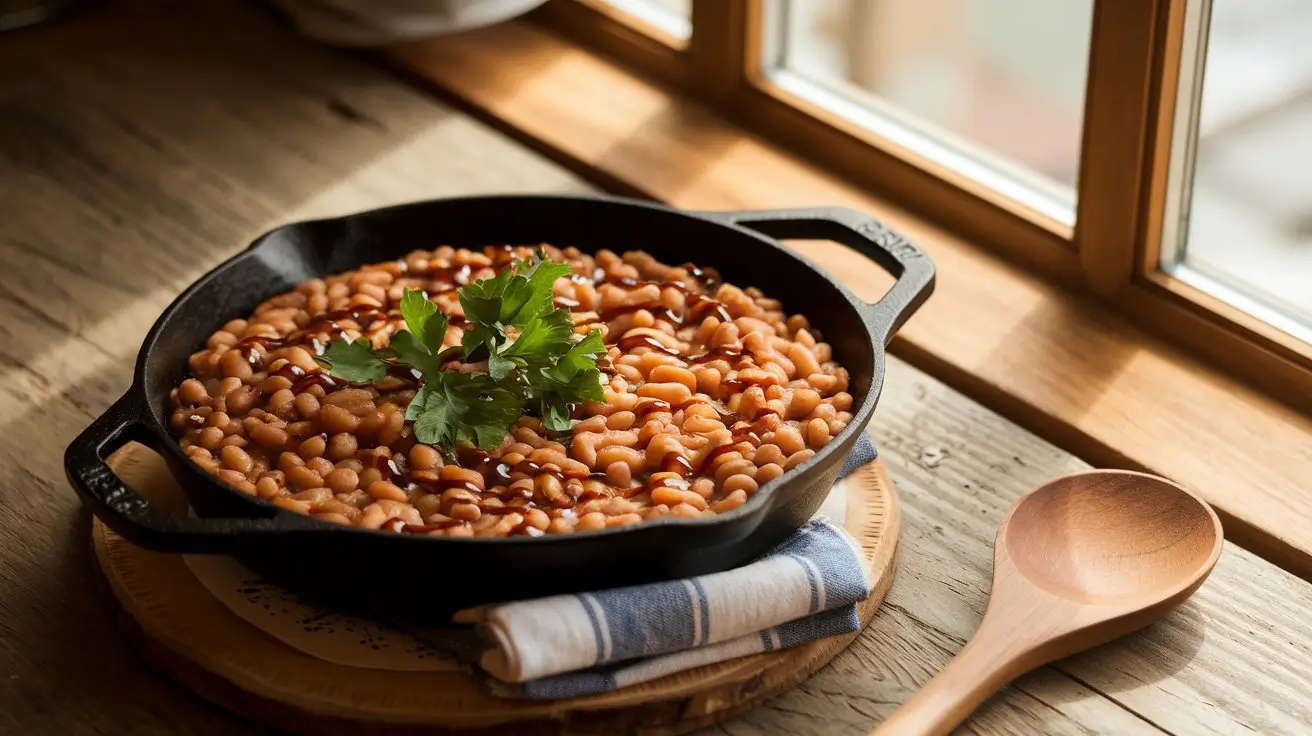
pixel 143 142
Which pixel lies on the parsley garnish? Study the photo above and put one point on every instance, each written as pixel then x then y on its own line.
pixel 535 362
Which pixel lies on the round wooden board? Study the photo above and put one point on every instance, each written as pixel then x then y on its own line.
pixel 182 630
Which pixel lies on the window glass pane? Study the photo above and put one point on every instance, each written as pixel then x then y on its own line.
pixel 993 88
pixel 671 16
pixel 1241 227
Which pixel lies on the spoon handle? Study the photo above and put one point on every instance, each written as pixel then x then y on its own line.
pixel 981 668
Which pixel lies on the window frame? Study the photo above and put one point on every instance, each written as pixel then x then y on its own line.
pixel 1113 250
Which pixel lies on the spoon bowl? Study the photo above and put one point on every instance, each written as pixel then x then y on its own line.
pixel 1079 561
pixel 1111 537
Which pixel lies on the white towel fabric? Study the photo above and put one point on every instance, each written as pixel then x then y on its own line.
pixel 573 645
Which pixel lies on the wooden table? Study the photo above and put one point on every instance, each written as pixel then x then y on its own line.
pixel 141 144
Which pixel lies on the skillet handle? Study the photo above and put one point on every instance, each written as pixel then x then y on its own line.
pixel 874 240
pixel 129 513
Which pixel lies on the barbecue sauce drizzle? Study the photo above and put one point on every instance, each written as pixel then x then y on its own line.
pixel 676 471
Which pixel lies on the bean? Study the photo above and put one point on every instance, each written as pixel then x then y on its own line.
pixel 739 482
pixel 544 455
pixel 621 420
pixel 673 374
pixel 241 400
pixel 235 458
pixel 342 480
pixel 817 433
pixel 358 401
pixel 671 393
pixel 842 401
pixel 425 457
pixel 266 488
pixel 301 358
pixel 427 504
pixel 210 437
pixel 382 490
pixel 466 511
pixel 591 522
pixel 332 517
pixel 797 458
pixel 686 511
pixel 824 383
pixel 193 392
pixel 502 527
pixel 660 446
pixel 537 518
pixel 304 477
pixel 370 425
pixel 623 520
pixel 342 446
pixel 619 474
pixel 667 496
pixel 729 468
pixel 314 495
pixel 789 439
pixel 289 460
pixel 235 365
pixel 320 465
pixel 457 474
pixel 312 447
pixel 593 424
pixel 274 438
pixel 336 419
pixel 730 502
pixel 274 384
pixel 292 504
pixel 768 472
pixel 803 359
pixel 307 406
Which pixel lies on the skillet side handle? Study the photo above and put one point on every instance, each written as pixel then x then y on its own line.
pixel 129 513
pixel 868 236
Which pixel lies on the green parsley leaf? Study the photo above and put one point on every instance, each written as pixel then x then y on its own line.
pixel 482 300
pixel 464 407
pixel 409 351
pixel 572 380
pixel 534 361
pixel 423 319
pixel 352 361
pixel 542 336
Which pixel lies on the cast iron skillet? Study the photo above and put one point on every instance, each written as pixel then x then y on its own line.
pixel 405 575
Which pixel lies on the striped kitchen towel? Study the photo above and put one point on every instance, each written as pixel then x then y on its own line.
pixel 567 646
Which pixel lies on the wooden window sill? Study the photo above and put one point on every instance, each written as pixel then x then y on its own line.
pixel 1065 367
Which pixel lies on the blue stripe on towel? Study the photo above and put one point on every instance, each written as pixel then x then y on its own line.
pixel 656 618
pixel 570 685
pixel 811 579
pixel 828 623
pixel 840 574
pixel 596 627
pixel 704 608
pixel 862 452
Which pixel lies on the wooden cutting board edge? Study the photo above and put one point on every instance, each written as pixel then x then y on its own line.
pixel 141 583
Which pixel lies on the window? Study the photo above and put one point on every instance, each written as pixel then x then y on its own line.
pixel 671 17
pixel 1148 152
pixel 991 88
pixel 1240 204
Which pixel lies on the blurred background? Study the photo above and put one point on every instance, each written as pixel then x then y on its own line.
pixel 1001 83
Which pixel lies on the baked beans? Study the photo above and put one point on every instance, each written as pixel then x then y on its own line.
pixel 713 391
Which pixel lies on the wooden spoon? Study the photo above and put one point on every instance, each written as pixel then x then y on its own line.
pixel 1079 561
